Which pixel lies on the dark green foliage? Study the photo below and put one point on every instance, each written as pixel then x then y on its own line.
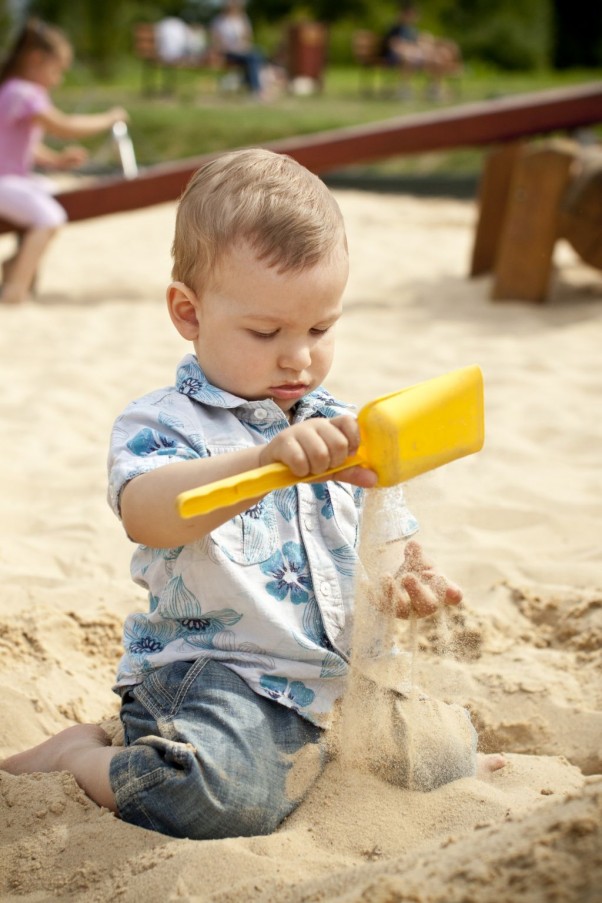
pixel 515 35
pixel 100 32
pixel 5 26
pixel 511 35
pixel 578 33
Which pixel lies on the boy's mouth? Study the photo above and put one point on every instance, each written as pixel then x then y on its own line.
pixel 288 391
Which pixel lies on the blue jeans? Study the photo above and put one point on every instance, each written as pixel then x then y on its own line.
pixel 251 64
pixel 207 757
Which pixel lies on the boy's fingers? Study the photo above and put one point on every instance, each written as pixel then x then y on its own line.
pixel 359 476
pixel 414 557
pixel 417 564
pixel 319 453
pixel 328 445
pixel 340 443
pixel 349 427
pixel 291 453
pixel 453 595
pixel 393 599
pixel 402 607
pixel 422 599
pixel 445 592
pixel 303 457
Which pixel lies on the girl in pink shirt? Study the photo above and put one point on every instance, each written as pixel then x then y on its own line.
pixel 36 64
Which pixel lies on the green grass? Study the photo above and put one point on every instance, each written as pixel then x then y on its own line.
pixel 197 118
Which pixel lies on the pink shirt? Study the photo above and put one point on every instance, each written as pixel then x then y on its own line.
pixel 20 101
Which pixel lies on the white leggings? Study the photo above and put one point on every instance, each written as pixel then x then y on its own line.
pixel 26 201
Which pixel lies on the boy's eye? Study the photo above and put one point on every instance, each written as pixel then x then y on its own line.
pixel 263 335
pixel 270 335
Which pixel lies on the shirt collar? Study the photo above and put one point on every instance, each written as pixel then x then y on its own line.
pixel 191 381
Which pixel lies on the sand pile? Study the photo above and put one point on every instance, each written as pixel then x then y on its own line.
pixel 516 526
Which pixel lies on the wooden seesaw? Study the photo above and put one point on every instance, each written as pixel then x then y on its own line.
pixel 501 120
pixel 474 124
pixel 531 195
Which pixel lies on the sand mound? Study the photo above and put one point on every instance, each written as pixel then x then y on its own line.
pixel 516 526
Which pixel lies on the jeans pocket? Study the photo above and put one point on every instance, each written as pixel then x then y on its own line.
pixel 164 690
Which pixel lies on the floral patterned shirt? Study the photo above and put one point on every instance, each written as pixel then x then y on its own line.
pixel 270 592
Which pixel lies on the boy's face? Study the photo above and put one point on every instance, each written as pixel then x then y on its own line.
pixel 265 334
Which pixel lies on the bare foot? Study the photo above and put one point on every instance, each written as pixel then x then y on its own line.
pixel 13 292
pixel 9 294
pixel 84 750
pixel 487 764
pixel 51 755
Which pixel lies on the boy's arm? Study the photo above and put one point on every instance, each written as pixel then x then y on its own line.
pixel 148 501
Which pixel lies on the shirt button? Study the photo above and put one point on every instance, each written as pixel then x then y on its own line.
pixel 260 414
pixel 325 589
pixel 309 523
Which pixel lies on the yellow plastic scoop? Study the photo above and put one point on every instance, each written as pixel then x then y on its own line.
pixel 402 435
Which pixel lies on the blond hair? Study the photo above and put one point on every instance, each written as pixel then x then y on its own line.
pixel 254 196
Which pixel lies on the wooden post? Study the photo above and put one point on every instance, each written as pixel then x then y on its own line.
pixel 581 210
pixel 493 195
pixel 524 255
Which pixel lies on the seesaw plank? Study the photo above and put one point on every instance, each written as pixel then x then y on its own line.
pixel 466 125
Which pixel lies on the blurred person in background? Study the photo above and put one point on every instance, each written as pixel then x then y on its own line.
pixel 34 66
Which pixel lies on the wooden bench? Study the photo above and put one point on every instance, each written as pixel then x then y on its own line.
pixel 376 74
pixel 159 71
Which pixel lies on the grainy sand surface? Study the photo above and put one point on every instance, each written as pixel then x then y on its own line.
pixel 517 526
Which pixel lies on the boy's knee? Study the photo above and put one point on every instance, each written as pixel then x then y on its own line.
pixel 162 785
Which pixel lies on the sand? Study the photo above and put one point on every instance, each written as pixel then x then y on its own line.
pixel 517 526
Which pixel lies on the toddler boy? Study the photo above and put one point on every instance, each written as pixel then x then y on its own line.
pixel 235 667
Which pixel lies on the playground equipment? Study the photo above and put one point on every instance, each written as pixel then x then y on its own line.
pixel 125 149
pixel 466 125
pixel 531 195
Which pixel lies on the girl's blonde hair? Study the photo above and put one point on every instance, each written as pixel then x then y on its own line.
pixel 35 35
pixel 254 196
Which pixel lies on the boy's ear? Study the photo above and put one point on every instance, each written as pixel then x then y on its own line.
pixel 181 303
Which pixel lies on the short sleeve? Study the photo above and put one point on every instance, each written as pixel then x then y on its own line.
pixel 26 100
pixel 150 433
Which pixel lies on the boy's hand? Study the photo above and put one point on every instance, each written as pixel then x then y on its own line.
pixel 317 445
pixel 417 589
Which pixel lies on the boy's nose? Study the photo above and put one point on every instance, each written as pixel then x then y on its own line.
pixel 296 357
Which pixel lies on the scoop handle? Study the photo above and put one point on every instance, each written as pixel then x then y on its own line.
pixel 249 485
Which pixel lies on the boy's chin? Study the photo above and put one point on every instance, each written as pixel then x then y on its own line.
pixel 283 405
